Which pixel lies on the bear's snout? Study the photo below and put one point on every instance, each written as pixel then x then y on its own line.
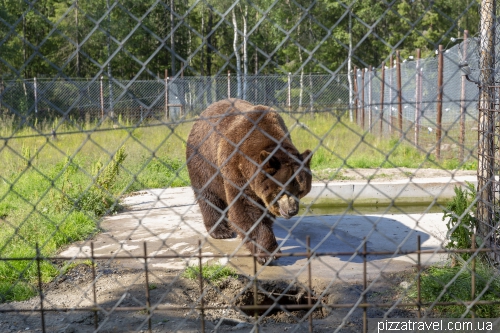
pixel 288 205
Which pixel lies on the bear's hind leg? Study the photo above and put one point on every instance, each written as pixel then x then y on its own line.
pixel 216 224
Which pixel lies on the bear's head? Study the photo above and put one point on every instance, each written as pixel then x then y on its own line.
pixel 284 180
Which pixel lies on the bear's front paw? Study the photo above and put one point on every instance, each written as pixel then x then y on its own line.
pixel 267 259
pixel 222 233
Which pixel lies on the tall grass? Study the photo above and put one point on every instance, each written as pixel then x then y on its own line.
pixel 54 191
pixel 339 144
pixel 453 284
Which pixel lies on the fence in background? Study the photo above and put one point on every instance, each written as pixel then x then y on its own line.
pixel 401 99
pixel 407 99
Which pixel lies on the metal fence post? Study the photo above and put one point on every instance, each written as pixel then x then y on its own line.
pixel 311 95
pixel 167 110
pixel 356 95
pixel 289 96
pixel 370 120
pixel 439 110
pixel 228 84
pixel 102 99
pixel 391 67
pixel 417 98
pixel 462 104
pixel 35 90
pixel 382 86
pixel 399 89
pixel 363 98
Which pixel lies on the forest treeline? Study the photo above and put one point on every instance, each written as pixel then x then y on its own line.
pixel 142 38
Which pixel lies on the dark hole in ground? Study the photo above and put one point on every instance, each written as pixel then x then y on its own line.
pixel 277 299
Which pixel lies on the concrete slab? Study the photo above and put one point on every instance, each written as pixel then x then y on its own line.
pixel 169 222
pixel 400 191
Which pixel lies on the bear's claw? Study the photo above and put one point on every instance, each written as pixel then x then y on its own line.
pixel 267 259
pixel 222 233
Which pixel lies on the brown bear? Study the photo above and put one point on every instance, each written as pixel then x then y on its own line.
pixel 245 171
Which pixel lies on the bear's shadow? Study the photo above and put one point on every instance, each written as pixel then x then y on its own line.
pixel 345 233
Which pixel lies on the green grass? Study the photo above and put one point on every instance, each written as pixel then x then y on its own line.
pixel 341 144
pixel 450 284
pixel 211 272
pixel 54 192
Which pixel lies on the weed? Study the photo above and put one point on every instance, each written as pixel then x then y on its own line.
pixel 5 209
pixel 461 221
pixel 68 266
pixel 26 153
pixel 97 199
pixel 213 272
pixel 453 284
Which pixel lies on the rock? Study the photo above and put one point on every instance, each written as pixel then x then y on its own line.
pixel 230 322
pixel 405 285
pixel 68 329
pixel 331 299
pixel 445 146
pixel 242 325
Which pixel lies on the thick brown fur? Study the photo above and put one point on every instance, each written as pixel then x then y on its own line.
pixel 245 171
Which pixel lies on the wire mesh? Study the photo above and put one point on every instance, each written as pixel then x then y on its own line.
pixel 101 230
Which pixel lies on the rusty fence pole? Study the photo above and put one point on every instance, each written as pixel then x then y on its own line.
pixel 399 91
pixel 363 98
pixel 473 275
pixel 202 301
pixel 94 289
pixel 365 287
pixel 439 111
pixel 148 298
pixel 309 276
pixel 462 104
pixel 356 96
pixel 40 286
pixel 418 99
pixel 255 288
pixel 382 86
pixel 370 101
pixel 419 279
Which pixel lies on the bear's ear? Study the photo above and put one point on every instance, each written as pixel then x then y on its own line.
pixel 272 165
pixel 306 157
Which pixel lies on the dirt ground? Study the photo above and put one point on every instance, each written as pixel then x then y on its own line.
pixel 118 287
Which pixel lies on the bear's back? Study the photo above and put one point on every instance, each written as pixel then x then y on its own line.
pixel 251 128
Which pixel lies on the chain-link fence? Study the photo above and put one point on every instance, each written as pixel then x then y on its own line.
pixel 139 100
pixel 416 111
pixel 138 191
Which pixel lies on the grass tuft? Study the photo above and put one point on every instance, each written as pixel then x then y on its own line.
pixel 211 272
